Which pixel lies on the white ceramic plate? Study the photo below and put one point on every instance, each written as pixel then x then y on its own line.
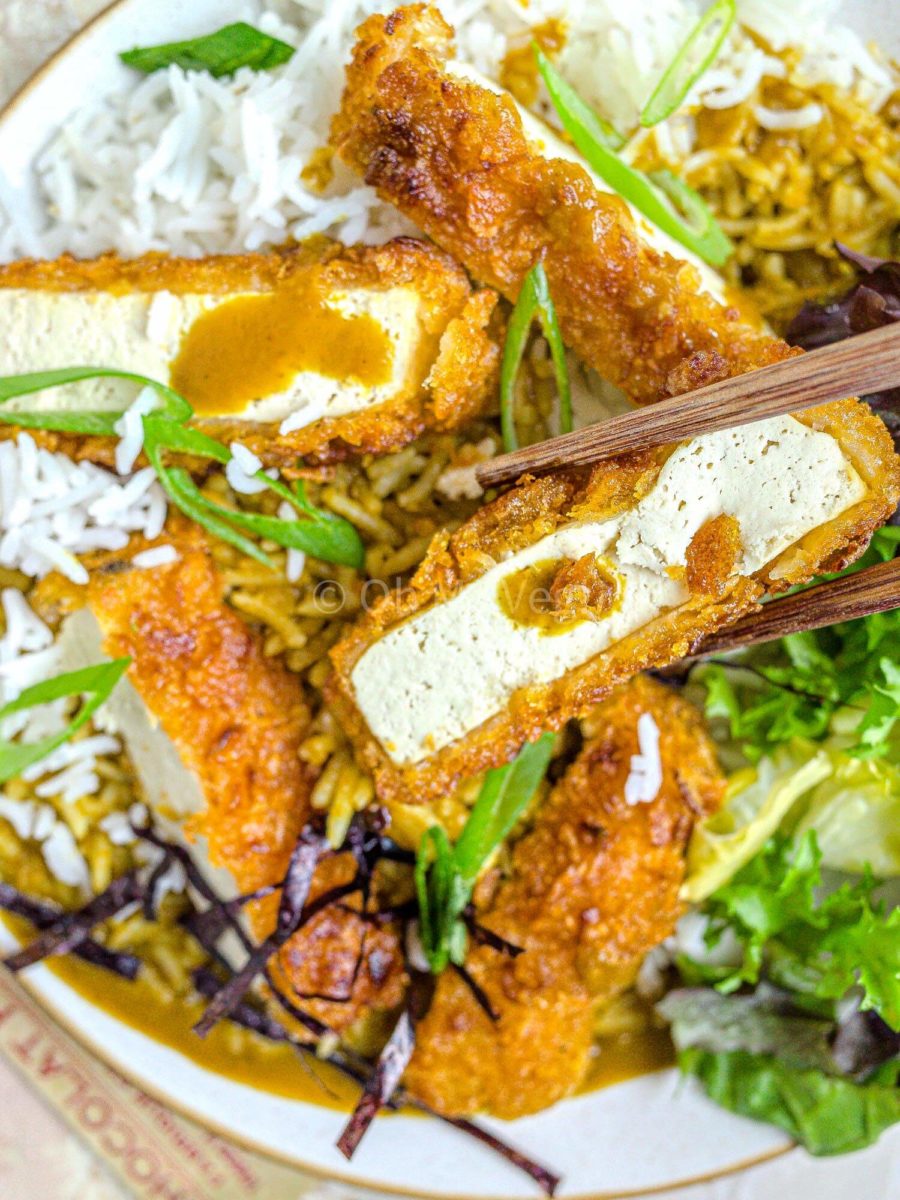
pixel 646 1135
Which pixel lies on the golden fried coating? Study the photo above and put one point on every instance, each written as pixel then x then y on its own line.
pixel 451 379
pixel 589 890
pixel 454 157
pixel 535 509
pixel 711 557
pixel 237 719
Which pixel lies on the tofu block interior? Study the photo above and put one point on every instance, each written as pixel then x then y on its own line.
pixel 312 350
pixel 551 595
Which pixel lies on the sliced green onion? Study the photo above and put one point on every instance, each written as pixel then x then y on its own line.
pixel 697 214
pixel 695 56
pixel 446 877
pixel 504 796
pixel 534 303
pixel 706 241
pixel 13 386
pixel 434 885
pixel 96 683
pixel 220 53
pixel 600 129
pixel 320 534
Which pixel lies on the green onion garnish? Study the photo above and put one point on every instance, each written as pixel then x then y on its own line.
pixel 96 683
pixel 705 238
pixel 318 533
pixel 220 53
pixel 700 48
pixel 534 303
pixel 446 876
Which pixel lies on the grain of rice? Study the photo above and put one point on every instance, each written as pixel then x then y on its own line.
pixel 257 606
pixel 323 791
pixel 159 556
pixel 344 506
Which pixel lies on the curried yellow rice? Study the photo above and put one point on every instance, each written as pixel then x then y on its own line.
pixel 786 196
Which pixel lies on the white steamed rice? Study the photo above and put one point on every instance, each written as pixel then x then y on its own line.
pixel 187 163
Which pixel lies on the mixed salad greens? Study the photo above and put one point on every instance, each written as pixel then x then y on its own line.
pixel 787 1001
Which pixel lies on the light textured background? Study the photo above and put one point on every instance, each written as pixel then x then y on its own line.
pixel 41 1160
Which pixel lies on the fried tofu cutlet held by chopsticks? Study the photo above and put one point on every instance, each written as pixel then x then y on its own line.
pixel 490 644
pixel 237 719
pixel 589 890
pixel 455 157
pixel 321 352
pixel 568 585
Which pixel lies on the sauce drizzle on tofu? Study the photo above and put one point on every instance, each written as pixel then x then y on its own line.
pixel 256 345
pixel 557 594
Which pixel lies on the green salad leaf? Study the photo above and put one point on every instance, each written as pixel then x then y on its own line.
pixel 825 1113
pixel 842 680
pixel 814 735
pixel 704 1019
pixel 316 532
pixel 757 804
pixel 446 875
pixel 855 814
pixel 818 947
pixel 851 804
pixel 533 304
pixel 220 53
pixel 95 683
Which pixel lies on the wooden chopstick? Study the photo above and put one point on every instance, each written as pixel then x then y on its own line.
pixel 874 590
pixel 869 362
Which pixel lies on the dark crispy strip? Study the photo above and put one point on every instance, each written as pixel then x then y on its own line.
pixel 482 936
pixel 73 929
pixel 308 852
pixel 208 984
pixel 543 1177
pixel 382 1084
pixel 481 997
pixel 208 928
pixel 42 916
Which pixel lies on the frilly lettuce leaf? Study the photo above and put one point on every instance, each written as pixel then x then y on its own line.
pixel 826 1114
pixel 852 804
pixel 855 813
pixel 757 802
pixel 819 947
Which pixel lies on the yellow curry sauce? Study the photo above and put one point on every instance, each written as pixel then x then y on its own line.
pixel 257 344
pixel 248 1058
pixel 542 596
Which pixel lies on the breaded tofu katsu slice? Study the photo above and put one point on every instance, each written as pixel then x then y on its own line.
pixel 214 729
pixel 553 594
pixel 318 352
pixel 495 187
pixel 588 891
pixel 564 587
